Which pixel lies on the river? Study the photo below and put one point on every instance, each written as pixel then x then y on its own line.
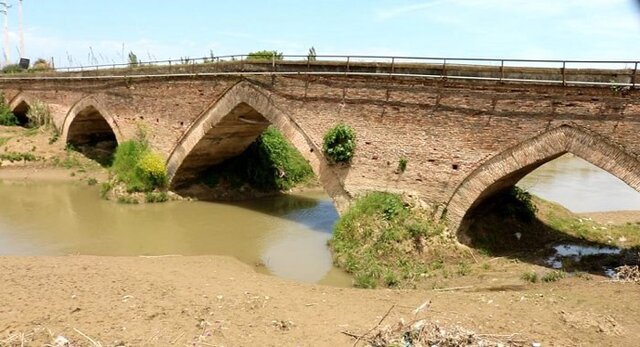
pixel 284 236
pixel 580 186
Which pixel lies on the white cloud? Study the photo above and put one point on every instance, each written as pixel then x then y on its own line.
pixel 531 7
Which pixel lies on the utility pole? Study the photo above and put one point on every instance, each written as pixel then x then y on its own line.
pixel 22 53
pixel 4 8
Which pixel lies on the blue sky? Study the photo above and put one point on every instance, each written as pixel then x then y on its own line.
pixel 160 29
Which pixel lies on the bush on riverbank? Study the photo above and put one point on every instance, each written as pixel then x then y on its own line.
pixel 269 164
pixel 138 167
pixel 381 240
pixel 7 117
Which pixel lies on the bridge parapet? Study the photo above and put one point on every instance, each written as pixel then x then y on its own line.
pixel 617 74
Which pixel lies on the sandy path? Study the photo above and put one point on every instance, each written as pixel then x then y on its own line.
pixel 178 300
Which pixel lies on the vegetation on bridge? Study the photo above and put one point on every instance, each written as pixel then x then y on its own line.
pixel 270 164
pixel 264 55
pixel 381 240
pixel 340 143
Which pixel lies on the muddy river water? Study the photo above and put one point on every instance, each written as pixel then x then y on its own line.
pixel 285 236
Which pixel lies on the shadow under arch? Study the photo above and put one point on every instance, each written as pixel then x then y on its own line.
pixel 228 127
pixel 20 106
pixel 507 168
pixel 91 129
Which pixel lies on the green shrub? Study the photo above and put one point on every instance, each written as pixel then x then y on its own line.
pixel 268 164
pixel 138 167
pixel 340 143
pixel 530 276
pixel 378 240
pixel 18 156
pixel 92 181
pixel 152 171
pixel 553 276
pixel 402 164
pixel 7 117
pixel 264 55
pixel 133 59
pixel 12 68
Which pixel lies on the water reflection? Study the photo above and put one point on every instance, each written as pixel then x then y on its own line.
pixel 580 186
pixel 288 234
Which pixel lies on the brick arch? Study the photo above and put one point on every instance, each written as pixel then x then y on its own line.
pixel 86 104
pixel 509 167
pixel 246 99
pixel 20 105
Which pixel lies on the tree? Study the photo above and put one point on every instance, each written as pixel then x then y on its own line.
pixel 264 55
pixel 312 54
pixel 133 59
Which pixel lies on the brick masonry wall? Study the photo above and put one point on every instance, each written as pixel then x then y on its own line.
pixel 445 129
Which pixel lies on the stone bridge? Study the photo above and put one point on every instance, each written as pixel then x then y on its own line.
pixel 464 139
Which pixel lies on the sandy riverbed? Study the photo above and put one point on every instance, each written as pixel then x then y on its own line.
pixel 218 301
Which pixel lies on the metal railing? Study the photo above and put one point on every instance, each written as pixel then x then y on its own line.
pixel 613 73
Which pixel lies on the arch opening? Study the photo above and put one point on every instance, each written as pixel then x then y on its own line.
pixel 21 112
pixel 90 134
pixel 242 156
pixel 229 128
pixel 505 214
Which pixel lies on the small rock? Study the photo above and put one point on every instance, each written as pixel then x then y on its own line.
pixel 60 341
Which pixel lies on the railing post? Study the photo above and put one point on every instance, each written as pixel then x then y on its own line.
pixel 564 75
pixel 273 61
pixel 501 70
pixel 306 82
pixel 393 65
pixel 635 75
pixel 347 70
pixel 443 73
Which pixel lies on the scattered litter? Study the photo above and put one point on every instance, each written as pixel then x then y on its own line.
pixel 627 274
pixel 283 325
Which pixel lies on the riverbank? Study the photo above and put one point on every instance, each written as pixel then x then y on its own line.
pixel 221 301
pixel 215 301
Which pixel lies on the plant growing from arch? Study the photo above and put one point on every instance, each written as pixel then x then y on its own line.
pixel 340 143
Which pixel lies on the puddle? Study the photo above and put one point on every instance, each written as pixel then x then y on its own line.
pixel 576 252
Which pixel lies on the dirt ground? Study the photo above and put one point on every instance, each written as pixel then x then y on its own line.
pixel 218 301
pixel 615 217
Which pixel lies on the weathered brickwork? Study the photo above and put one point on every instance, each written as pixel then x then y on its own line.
pixel 459 137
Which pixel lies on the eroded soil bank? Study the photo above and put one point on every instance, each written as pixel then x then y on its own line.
pixel 218 301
